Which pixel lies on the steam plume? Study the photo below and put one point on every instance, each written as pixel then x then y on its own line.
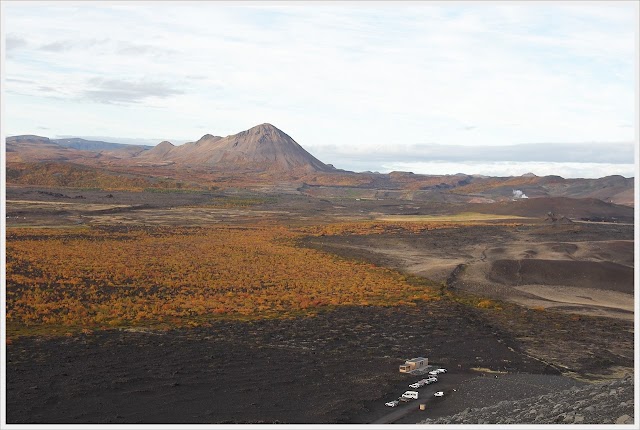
pixel 517 194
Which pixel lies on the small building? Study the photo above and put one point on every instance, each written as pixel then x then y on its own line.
pixel 414 364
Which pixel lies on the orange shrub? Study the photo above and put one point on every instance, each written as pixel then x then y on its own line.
pixel 182 276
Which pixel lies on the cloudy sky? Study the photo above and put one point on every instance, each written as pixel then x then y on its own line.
pixel 430 87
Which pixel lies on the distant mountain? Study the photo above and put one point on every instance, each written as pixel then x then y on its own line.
pixel 261 148
pixel 160 151
pixel 192 153
pixel 31 148
pixel 613 189
pixel 36 148
pixel 27 138
pixel 266 149
pixel 95 145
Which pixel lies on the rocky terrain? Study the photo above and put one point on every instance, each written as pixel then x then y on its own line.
pixel 600 403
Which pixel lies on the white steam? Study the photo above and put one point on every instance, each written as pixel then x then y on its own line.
pixel 517 194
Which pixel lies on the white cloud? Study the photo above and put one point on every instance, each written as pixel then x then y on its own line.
pixel 566 170
pixel 586 152
pixel 125 91
pixel 369 76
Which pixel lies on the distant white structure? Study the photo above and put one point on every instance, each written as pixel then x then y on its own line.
pixel 517 194
pixel 414 364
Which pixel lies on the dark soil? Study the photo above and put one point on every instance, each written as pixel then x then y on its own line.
pixel 449 241
pixel 338 367
pixel 587 209
pixel 586 274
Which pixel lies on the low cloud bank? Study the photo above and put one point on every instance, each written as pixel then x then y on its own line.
pixel 566 170
pixel 588 152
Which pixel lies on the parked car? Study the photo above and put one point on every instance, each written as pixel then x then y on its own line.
pixel 439 393
pixel 392 404
pixel 441 370
pixel 410 395
pixel 415 385
pixel 434 373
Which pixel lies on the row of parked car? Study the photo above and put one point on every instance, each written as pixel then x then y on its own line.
pixel 410 395
pixel 423 382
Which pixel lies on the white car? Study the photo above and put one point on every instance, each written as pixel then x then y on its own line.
pixel 434 373
pixel 416 385
pixel 441 370
pixel 392 404
pixel 410 395
pixel 439 393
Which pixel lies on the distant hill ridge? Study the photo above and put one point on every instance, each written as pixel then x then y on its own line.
pixel 75 143
pixel 260 148
pixel 267 149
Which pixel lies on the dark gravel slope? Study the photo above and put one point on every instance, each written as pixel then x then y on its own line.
pixel 601 403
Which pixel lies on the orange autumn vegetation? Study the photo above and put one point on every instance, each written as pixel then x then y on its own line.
pixel 376 227
pixel 121 278
pixel 52 174
pixel 363 228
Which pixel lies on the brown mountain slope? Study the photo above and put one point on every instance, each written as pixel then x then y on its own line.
pixel 30 148
pixel 189 153
pixel 613 189
pixel 159 152
pixel 263 148
pixel 587 208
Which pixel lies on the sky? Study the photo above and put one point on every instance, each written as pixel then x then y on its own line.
pixel 499 88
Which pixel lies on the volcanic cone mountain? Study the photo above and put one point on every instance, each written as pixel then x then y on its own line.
pixel 263 148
